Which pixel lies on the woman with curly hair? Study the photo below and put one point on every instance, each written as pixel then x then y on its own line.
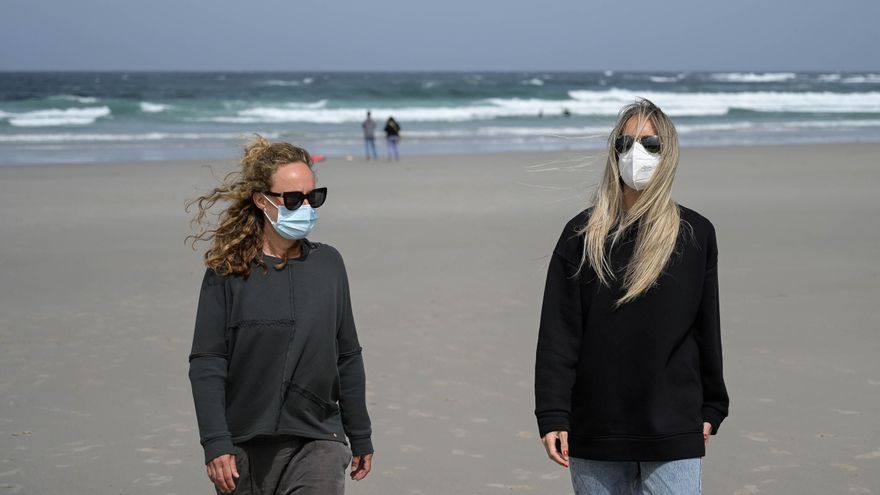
pixel 628 375
pixel 276 369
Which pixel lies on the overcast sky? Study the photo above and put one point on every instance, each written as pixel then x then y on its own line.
pixel 473 35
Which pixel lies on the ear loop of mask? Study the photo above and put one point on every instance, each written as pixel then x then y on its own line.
pixel 273 204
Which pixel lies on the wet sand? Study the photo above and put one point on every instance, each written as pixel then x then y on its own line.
pixel 447 258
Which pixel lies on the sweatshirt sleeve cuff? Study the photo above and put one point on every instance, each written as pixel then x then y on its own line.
pixel 216 447
pixel 361 446
pixel 712 417
pixel 546 424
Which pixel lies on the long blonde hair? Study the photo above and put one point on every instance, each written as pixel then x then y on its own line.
pixel 237 241
pixel 655 212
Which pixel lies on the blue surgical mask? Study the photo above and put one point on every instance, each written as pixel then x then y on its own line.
pixel 293 224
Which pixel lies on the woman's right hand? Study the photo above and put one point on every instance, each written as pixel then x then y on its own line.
pixel 557 453
pixel 223 472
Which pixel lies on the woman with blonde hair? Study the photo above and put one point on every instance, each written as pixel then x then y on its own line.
pixel 276 368
pixel 628 373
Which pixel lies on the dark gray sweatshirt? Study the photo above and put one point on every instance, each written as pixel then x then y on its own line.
pixel 277 354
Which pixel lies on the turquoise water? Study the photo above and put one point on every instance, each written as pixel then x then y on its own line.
pixel 75 117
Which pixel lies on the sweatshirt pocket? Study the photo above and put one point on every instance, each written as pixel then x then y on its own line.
pixel 305 410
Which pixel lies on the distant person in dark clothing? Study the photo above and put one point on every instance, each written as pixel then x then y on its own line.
pixel 392 137
pixel 369 127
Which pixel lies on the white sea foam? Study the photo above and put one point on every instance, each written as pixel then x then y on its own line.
pixel 278 82
pixel 111 138
pixel 308 105
pixel 533 82
pixel 582 102
pixel 663 79
pixel 707 104
pixel 502 132
pixel 863 79
pixel 57 117
pixel 283 82
pixel 148 107
pixel 829 77
pixel 751 77
pixel 78 99
pixel 831 124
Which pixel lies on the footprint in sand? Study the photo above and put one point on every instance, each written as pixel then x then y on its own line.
pixel 397 430
pixel 772 467
pixel 468 454
pixel 755 436
pixel 747 490
pixel 522 474
pixel 846 467
pixel 509 487
pixel 525 434
pixel 10 473
pixel 853 488
pixel 870 455
pixel 459 432
pixel 410 449
pixel 848 413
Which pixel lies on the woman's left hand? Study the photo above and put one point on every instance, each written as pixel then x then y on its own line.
pixel 707 430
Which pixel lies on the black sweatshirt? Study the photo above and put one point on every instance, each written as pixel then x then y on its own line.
pixel 634 383
pixel 277 354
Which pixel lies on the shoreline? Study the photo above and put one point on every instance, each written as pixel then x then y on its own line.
pixel 417 157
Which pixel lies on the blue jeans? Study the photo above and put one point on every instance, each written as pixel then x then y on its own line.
pixel 370 147
pixel 391 141
pixel 680 477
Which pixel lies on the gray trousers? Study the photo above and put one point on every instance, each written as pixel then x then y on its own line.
pixel 291 466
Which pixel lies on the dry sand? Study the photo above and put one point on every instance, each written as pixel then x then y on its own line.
pixel 447 257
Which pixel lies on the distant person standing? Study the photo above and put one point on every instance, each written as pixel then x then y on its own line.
pixel 369 127
pixel 392 137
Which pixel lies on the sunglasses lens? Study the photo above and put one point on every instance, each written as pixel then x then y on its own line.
pixel 651 144
pixel 317 197
pixel 623 144
pixel 293 202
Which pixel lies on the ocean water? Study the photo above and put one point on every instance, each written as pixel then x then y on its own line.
pixel 78 117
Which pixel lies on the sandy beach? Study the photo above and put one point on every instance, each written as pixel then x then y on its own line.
pixel 447 258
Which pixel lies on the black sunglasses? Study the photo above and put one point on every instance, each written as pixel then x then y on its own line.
pixel 624 143
pixel 294 199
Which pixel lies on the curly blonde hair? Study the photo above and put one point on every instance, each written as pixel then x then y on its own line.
pixel 237 240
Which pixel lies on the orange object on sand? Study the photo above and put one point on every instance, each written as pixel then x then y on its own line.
pixel 318 158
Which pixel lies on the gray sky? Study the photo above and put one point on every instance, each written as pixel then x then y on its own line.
pixel 290 35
